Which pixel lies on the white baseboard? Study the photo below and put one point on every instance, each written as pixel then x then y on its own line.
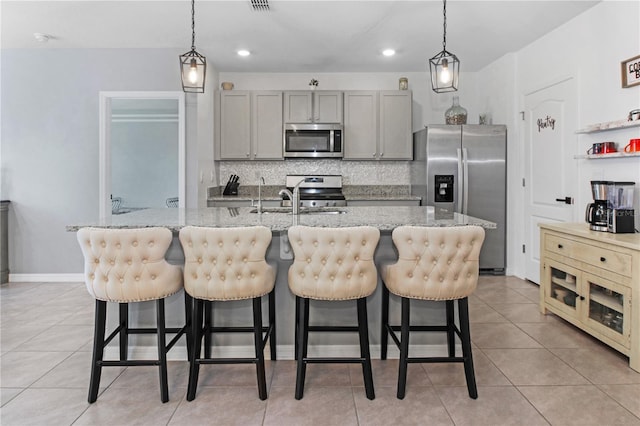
pixel 48 278
pixel 285 352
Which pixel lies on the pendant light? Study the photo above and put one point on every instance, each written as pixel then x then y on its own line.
pixel 193 66
pixel 445 66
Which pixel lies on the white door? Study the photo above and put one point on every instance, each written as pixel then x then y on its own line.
pixel 550 169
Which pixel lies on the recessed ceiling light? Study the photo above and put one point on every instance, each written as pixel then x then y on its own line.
pixel 388 52
pixel 244 52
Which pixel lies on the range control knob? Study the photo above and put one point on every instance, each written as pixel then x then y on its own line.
pixel 313 204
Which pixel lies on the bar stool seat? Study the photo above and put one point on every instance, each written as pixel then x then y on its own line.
pixel 228 264
pixel 332 264
pixel 440 264
pixel 126 266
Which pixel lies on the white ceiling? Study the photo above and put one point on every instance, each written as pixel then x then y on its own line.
pixel 293 36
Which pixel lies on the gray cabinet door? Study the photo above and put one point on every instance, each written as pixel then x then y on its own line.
pixel 266 125
pixel 327 107
pixel 360 125
pixel 395 125
pixel 298 107
pixel 235 125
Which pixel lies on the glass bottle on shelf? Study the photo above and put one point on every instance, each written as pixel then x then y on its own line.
pixel 456 114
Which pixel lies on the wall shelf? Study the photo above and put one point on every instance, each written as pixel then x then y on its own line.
pixel 610 125
pixel 602 156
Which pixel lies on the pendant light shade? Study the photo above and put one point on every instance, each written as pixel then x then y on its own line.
pixel 445 66
pixel 193 66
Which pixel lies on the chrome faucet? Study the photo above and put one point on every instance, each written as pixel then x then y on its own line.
pixel 294 197
pixel 260 183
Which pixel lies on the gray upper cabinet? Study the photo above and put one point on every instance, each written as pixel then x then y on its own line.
pixel 378 125
pixel 235 125
pixel 395 141
pixel 250 125
pixel 266 125
pixel 361 125
pixel 313 107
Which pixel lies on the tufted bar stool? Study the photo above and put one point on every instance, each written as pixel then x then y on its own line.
pixel 226 264
pixel 126 266
pixel 439 264
pixel 332 264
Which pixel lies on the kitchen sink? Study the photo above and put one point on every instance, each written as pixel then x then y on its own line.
pixel 303 210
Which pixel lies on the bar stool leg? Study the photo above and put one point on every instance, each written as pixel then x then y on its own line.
pixel 404 348
pixel 363 331
pixel 208 324
pixel 124 332
pixel 451 343
pixel 272 323
pixel 384 332
pixel 194 367
pixel 98 349
pixel 463 310
pixel 257 335
pixel 162 351
pixel 302 338
pixel 188 313
pixel 296 327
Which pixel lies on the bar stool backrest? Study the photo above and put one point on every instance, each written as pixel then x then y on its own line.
pixel 333 263
pixel 435 263
pixel 227 263
pixel 128 265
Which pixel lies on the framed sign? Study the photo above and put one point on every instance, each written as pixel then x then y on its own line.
pixel 631 72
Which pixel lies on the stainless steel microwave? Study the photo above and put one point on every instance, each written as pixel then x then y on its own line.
pixel 313 140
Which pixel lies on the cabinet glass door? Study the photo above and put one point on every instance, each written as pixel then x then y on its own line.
pixel 562 289
pixel 608 308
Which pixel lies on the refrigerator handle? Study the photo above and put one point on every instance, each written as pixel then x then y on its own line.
pixel 460 187
pixel 465 163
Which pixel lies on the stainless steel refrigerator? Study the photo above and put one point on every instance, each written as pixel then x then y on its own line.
pixel 464 169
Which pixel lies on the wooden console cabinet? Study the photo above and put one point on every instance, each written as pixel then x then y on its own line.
pixel 592 280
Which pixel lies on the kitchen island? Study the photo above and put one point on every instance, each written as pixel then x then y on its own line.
pixel 279 254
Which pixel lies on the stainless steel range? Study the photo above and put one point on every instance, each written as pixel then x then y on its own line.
pixel 317 190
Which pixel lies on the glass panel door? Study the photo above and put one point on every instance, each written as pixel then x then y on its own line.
pixel 563 286
pixel 608 310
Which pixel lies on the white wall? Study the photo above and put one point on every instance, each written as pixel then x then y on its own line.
pixel 589 48
pixel 50 142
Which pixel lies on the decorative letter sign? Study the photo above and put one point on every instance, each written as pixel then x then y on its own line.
pixel 631 72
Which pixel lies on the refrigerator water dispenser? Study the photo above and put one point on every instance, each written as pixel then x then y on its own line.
pixel 444 189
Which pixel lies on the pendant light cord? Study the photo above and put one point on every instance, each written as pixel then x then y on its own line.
pixel 193 25
pixel 444 26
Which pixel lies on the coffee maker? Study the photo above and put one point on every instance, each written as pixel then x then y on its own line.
pixel 620 211
pixel 597 212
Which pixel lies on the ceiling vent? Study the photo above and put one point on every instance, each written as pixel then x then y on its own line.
pixel 260 5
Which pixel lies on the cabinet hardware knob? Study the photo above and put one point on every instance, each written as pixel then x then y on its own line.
pixel 602 259
pixel 560 246
pixel 581 297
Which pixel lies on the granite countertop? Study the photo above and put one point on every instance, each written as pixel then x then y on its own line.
pixel 351 192
pixel 384 218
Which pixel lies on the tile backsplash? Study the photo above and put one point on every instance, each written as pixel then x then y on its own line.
pixel 353 172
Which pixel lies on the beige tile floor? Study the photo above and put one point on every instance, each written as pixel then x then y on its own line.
pixel 531 369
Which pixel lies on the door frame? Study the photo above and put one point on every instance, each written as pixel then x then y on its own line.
pixel 105 143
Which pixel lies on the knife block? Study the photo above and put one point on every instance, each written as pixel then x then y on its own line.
pixel 231 189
